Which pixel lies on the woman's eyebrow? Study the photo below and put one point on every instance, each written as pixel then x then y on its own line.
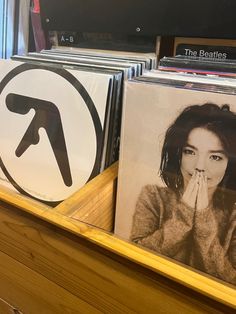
pixel 219 151
pixel 214 151
pixel 189 145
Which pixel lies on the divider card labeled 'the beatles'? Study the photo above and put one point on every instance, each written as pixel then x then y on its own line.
pixel 51 127
pixel 177 173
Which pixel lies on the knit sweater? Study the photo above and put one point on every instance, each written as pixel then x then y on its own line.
pixel 204 239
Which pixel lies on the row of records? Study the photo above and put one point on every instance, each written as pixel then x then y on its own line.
pixel 63 114
pixel 60 117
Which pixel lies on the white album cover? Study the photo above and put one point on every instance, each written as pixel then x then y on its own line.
pixel 177 175
pixel 51 128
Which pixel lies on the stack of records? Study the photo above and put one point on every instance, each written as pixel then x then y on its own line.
pixel 189 80
pixel 14 27
pixel 177 170
pixel 149 58
pixel 199 65
pixel 60 120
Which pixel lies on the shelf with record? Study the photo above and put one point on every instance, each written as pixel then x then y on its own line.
pixel 64 239
pixel 81 242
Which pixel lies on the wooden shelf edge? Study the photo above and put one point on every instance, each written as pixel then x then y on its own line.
pixel 88 191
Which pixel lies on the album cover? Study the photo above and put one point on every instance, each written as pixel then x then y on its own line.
pixel 120 73
pixel 176 182
pixel 52 127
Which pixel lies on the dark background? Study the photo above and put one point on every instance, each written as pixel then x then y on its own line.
pixel 201 18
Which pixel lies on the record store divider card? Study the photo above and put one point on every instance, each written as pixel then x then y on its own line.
pixel 51 126
pixel 177 178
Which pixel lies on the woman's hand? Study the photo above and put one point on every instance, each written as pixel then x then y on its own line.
pixel 196 193
pixel 202 196
pixel 191 192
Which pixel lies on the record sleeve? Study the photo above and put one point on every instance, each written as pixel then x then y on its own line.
pixel 52 126
pixel 175 193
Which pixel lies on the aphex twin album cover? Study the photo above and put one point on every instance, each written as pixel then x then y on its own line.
pixel 51 128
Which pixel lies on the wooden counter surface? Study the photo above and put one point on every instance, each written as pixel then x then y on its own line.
pixel 50 262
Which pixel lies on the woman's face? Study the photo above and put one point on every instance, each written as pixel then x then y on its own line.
pixel 204 151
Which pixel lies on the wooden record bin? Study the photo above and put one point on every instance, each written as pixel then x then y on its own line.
pixel 66 260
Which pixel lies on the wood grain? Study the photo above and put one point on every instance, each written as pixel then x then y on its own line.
pixel 196 281
pixel 95 202
pixel 6 308
pixel 102 281
pixel 33 293
pixel 99 211
pixel 21 201
pixel 47 269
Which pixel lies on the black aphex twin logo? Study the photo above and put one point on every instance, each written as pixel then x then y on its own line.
pixel 47 116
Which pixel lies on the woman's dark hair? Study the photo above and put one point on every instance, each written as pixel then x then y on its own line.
pixel 219 120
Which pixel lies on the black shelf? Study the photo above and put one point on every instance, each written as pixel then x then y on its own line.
pixel 202 18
